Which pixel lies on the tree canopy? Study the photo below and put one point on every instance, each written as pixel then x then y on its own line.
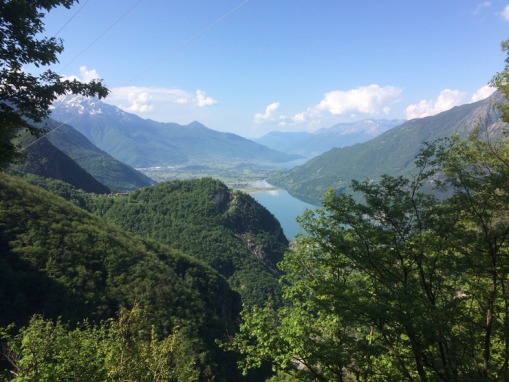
pixel 25 98
pixel 404 284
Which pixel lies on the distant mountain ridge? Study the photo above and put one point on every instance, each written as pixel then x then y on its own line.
pixel 392 152
pixel 320 141
pixel 46 160
pixel 146 143
pixel 101 165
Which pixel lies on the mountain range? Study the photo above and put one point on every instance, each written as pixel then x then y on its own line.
pixel 146 143
pixel 106 169
pixel 341 135
pixel 46 160
pixel 392 152
pixel 66 155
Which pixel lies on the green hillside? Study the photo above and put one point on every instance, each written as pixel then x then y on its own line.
pixel 392 152
pixel 61 261
pixel 46 160
pixel 226 229
pixel 105 168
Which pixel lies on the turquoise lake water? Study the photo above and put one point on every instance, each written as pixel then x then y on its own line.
pixel 283 206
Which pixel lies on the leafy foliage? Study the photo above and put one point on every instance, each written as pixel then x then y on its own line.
pixel 125 349
pixel 77 197
pixel 57 259
pixel 400 286
pixel 228 230
pixel 25 98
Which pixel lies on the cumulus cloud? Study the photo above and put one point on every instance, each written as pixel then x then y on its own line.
pixel 300 118
pixel 139 103
pixel 481 6
pixel 202 100
pixel 85 75
pixel 371 99
pixel 446 100
pixel 269 115
pixel 483 93
pixel 161 104
pixel 505 13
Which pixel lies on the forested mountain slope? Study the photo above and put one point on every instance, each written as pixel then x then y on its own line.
pixel 59 260
pixel 392 152
pixel 99 164
pixel 46 160
pixel 145 143
pixel 226 229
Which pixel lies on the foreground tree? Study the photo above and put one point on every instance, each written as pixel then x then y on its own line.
pixel 25 98
pixel 126 349
pixel 403 285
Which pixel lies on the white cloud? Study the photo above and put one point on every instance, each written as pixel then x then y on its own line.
pixel 202 100
pixel 140 103
pixel 300 118
pixel 269 114
pixel 480 6
pixel 505 13
pixel 483 93
pixel 161 104
pixel 371 99
pixel 446 100
pixel 85 75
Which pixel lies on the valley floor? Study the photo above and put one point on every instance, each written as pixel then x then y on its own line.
pixel 247 177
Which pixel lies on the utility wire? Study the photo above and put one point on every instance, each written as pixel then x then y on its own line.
pixel 72 17
pixel 150 67
pixel 183 45
pixel 68 21
pixel 102 34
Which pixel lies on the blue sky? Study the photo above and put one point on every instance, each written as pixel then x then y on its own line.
pixel 286 65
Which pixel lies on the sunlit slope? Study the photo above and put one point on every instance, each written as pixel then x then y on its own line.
pixel 392 152
pixel 227 229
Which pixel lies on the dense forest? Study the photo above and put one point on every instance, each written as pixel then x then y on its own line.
pixel 226 229
pixel 41 272
pixel 191 281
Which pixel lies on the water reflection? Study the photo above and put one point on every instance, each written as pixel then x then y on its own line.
pixel 285 208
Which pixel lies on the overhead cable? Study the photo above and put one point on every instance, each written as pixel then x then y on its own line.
pixel 183 45
pixel 102 34
pixel 72 17
pixel 150 67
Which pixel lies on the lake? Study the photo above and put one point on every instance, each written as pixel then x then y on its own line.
pixel 283 206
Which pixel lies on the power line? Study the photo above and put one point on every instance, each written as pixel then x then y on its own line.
pixel 183 45
pixel 72 17
pixel 150 67
pixel 102 34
